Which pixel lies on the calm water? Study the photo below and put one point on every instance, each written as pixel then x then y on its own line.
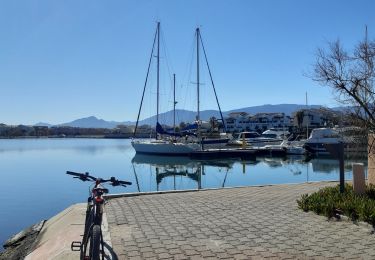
pixel 35 186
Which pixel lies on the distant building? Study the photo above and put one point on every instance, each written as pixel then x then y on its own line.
pixel 313 118
pixel 242 121
pixel 41 130
pixel 123 129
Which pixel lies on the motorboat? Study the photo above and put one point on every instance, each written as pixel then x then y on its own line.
pixel 275 133
pixel 291 147
pixel 320 137
pixel 253 139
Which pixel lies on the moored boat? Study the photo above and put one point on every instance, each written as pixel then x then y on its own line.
pixel 253 139
pixel 319 137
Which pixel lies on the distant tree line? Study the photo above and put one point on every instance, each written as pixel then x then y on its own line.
pixel 40 131
pixel 121 131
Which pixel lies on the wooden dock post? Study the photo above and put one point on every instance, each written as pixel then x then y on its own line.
pixel 359 183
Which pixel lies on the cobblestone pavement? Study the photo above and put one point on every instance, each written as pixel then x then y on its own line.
pixel 238 223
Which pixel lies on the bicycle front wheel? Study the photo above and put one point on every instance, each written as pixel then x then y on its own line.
pixel 95 243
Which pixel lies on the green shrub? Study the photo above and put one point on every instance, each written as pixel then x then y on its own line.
pixel 303 203
pixel 330 202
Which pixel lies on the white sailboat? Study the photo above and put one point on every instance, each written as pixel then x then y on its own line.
pixel 179 144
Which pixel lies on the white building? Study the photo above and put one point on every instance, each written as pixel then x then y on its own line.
pixel 312 118
pixel 242 121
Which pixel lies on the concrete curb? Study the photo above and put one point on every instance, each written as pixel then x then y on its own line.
pixel 121 195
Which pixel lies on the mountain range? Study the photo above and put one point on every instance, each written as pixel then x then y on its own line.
pixel 182 116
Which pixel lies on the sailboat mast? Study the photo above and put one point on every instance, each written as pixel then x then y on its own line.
pixel 144 87
pixel 157 80
pixel 198 101
pixel 174 103
pixel 308 119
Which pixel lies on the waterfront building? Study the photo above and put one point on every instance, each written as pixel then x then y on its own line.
pixel 312 118
pixel 124 129
pixel 41 130
pixel 260 122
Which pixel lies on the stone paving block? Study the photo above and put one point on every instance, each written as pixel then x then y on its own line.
pixel 165 256
pixel 160 250
pixel 180 257
pixel 146 249
pixel 191 252
pixel 240 256
pixel 133 253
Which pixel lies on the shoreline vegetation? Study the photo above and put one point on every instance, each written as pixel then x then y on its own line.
pixel 77 136
pixel 331 203
pixel 25 132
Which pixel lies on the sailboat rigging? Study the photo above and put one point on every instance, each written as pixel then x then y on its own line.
pixel 183 145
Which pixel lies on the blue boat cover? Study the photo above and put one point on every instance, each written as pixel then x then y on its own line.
pixel 160 130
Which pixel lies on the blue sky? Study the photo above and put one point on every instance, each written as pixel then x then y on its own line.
pixel 63 60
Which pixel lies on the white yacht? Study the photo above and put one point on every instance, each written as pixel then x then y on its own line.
pixel 319 137
pixel 276 133
pixel 291 147
pixel 253 139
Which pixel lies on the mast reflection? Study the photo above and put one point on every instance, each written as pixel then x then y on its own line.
pixel 174 166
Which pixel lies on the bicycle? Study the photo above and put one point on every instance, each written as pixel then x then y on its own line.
pixel 92 244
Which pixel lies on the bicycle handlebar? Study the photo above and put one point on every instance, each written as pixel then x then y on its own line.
pixel 86 177
pixel 82 176
pixel 116 182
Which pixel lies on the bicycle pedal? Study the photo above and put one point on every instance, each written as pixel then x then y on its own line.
pixel 76 246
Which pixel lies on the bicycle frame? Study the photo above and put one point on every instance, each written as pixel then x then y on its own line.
pixel 92 240
pixel 94 213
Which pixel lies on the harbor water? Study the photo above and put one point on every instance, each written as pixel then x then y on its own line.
pixel 35 186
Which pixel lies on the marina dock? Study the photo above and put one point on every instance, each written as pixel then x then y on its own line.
pixel 242 153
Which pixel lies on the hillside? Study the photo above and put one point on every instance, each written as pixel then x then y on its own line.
pixel 183 116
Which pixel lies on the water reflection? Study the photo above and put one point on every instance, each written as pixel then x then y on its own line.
pixel 326 165
pixel 168 167
pixel 77 145
pixel 226 173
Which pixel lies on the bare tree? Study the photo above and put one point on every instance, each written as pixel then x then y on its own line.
pixel 299 115
pixel 350 75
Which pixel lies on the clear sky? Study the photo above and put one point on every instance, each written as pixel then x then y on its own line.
pixel 64 60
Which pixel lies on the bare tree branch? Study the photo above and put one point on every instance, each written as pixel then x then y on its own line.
pixel 351 76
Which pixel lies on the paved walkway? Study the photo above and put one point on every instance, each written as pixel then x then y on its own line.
pixel 238 223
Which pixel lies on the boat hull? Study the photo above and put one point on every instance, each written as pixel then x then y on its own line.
pixel 316 148
pixel 164 148
pixel 214 143
pixel 256 143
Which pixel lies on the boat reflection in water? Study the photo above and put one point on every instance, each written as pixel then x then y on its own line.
pixel 160 173
pixel 177 167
